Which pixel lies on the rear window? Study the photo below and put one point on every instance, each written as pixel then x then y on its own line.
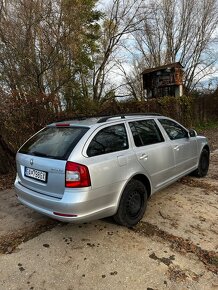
pixel 53 142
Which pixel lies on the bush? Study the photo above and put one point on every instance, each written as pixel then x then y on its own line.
pixel 20 118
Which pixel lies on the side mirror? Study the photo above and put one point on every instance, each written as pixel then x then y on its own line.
pixel 192 133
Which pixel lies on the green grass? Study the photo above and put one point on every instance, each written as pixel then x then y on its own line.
pixel 206 125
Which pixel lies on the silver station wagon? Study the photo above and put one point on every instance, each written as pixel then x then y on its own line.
pixel 88 169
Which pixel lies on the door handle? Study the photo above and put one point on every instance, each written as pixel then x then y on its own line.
pixel 143 156
pixel 176 148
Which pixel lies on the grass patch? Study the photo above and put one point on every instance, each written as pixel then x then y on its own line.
pixel 206 125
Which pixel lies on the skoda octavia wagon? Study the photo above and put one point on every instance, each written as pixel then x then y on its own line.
pixel 98 167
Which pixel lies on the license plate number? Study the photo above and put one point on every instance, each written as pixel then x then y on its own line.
pixel 36 174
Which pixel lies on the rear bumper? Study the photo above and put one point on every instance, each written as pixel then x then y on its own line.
pixel 85 204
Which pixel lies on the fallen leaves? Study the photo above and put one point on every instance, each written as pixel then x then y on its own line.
pixel 7 181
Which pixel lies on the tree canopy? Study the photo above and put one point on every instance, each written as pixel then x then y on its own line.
pixel 71 57
pixel 45 46
pixel 65 50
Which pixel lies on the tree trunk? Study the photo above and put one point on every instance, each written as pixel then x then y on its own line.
pixel 7 157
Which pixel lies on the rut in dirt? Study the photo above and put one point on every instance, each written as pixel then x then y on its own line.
pixel 9 242
pixel 183 246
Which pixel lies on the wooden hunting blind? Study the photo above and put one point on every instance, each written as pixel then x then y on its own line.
pixel 165 80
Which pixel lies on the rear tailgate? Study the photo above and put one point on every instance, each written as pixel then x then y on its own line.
pixel 43 175
pixel 41 161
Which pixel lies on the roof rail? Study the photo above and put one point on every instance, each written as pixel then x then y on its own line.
pixel 123 116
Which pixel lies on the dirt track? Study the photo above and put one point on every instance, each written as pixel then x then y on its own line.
pixel 174 247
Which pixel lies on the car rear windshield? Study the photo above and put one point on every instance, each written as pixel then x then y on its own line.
pixel 54 142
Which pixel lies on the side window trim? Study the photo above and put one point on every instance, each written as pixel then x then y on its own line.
pixel 132 123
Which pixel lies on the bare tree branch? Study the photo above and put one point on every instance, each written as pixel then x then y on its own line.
pixel 178 30
pixel 119 22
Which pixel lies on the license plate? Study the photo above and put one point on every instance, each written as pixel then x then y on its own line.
pixel 36 174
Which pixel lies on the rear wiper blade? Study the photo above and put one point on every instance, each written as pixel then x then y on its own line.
pixel 36 153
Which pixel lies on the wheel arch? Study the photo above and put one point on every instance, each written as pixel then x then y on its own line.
pixel 123 217
pixel 140 177
pixel 202 171
pixel 206 147
pixel 144 179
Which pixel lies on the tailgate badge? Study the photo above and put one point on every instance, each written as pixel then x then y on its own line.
pixel 31 161
pixel 57 170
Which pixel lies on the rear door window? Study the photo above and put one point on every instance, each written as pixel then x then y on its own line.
pixel 54 142
pixel 110 139
pixel 145 132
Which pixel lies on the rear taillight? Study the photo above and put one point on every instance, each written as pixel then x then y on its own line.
pixel 77 175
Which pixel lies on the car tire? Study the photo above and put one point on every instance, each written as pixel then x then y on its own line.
pixel 132 204
pixel 203 164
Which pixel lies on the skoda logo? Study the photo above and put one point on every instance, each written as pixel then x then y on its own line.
pixel 31 161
